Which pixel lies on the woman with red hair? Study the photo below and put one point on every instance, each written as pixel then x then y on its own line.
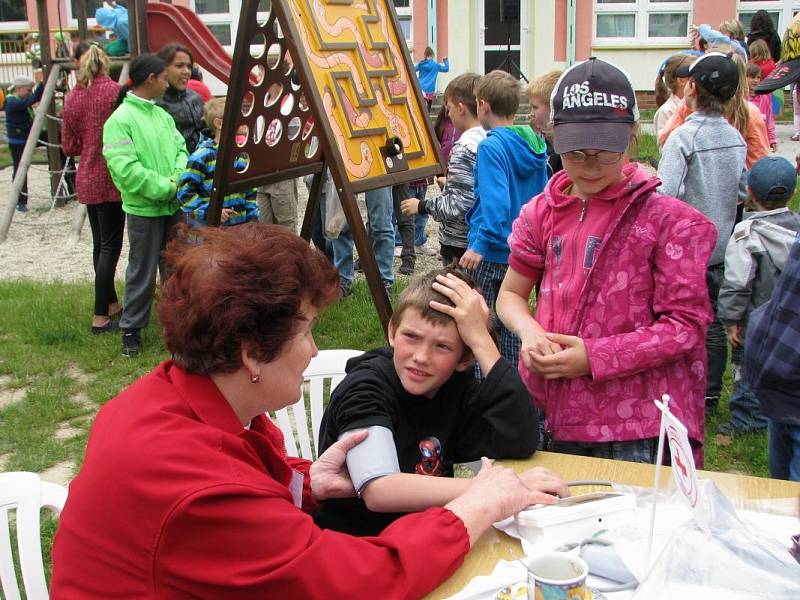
pixel 186 490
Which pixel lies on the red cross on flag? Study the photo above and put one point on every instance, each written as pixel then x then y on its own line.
pixel 683 469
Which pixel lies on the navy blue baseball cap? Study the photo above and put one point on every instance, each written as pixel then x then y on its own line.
pixel 772 178
pixel 598 94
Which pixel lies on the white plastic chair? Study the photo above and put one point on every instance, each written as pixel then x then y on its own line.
pixel 25 494
pixel 328 364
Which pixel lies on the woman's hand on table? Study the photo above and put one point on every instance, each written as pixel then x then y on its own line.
pixel 539 479
pixel 329 476
pixel 494 494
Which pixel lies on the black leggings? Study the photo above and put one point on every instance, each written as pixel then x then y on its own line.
pixel 107 222
pixel 16 157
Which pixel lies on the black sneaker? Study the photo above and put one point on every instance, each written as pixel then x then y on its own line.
pixel 23 208
pixel 389 287
pixel 712 402
pixel 131 343
pixel 407 267
pixel 346 287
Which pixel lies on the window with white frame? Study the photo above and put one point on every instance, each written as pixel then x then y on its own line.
pixel 637 22
pixel 403 9
pixel 781 12
pixel 222 17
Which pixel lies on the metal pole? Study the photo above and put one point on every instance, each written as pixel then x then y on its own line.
pixel 27 153
pixel 80 15
pixel 53 153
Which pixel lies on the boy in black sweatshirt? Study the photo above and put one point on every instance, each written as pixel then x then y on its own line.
pixel 425 411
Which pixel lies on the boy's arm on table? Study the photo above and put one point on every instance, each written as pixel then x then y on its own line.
pixel 680 301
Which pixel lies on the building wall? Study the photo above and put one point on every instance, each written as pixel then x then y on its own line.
pixel 641 60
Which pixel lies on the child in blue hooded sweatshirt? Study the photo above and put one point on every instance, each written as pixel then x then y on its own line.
pixel 510 169
pixel 428 70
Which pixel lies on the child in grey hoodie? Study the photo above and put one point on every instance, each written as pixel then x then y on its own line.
pixel 703 164
pixel 754 258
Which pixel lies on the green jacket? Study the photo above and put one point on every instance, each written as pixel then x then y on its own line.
pixel 145 154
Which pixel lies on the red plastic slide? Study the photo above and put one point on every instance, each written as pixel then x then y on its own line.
pixel 172 23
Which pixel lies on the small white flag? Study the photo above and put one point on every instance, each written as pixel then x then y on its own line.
pixel 683 469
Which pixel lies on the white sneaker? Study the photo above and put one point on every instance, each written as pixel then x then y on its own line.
pixel 425 250
pixel 398 250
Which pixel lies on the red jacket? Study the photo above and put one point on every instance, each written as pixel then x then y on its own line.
pixel 176 500
pixel 634 290
pixel 85 113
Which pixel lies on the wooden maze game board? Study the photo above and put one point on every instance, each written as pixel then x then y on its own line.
pixel 324 83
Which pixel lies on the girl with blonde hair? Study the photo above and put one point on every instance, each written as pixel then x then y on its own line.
pixel 670 84
pixel 86 109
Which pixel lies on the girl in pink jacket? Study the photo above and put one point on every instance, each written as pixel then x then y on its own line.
pixel 622 308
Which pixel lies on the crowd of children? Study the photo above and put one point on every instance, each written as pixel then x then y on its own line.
pixel 641 282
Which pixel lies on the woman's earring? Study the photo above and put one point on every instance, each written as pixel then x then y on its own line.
pixel 255 378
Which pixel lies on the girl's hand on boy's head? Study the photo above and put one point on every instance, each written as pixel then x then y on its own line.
pixel 409 206
pixel 569 363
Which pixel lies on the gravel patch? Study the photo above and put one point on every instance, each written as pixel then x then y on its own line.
pixel 39 244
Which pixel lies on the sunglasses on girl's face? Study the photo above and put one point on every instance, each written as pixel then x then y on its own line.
pixel 603 157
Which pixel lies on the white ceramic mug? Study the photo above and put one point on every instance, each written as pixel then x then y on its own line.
pixel 557 576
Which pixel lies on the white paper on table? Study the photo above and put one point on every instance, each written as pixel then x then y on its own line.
pixel 486 587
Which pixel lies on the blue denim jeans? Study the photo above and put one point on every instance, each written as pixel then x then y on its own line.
pixel 420 221
pixel 381 233
pixel 745 408
pixel 784 450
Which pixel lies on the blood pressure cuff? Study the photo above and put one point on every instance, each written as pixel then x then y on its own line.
pixel 375 457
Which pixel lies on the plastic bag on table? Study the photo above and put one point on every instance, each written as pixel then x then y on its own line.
pixel 734 561
pixel 335 219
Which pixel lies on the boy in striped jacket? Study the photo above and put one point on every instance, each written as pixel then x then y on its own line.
pixel 458 194
pixel 194 185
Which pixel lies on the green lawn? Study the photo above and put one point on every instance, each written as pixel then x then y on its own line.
pixel 64 374
pixel 46 349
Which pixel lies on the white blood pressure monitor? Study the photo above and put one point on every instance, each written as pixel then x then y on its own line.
pixel 575 518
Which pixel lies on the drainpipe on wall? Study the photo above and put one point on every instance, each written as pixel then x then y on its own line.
pixel 571 32
pixel 432 26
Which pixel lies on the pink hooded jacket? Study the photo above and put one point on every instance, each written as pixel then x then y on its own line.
pixel 635 292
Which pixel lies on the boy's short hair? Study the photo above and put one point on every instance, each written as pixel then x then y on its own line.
pixel 542 87
pixel 501 91
pixel 420 293
pixel 772 181
pixel 213 109
pixel 462 89
pixel 753 70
